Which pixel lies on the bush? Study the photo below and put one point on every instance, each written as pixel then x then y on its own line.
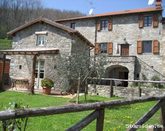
pixel 47 83
pixel 156 78
pixel 16 124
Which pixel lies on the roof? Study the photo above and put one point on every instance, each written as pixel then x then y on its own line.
pixel 30 51
pixel 52 23
pixel 134 11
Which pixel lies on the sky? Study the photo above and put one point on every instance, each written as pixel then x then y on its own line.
pixel 99 6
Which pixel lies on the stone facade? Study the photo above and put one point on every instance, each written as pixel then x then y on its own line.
pixel 126 29
pixel 68 44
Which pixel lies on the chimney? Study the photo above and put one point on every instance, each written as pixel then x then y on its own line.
pixel 158 4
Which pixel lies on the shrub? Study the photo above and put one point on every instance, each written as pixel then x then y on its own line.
pixel 15 124
pixel 156 78
pixel 47 83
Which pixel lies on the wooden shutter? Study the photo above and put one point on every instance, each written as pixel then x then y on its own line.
pixel 139 47
pixel 155 47
pixel 110 25
pixel 97 48
pixel 141 21
pixel 110 48
pixel 155 21
pixel 98 26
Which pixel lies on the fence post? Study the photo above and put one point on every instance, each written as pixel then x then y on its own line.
pixel 4 128
pixel 100 120
pixel 140 90
pixel 163 114
pixel 111 88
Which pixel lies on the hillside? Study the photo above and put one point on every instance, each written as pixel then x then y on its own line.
pixel 5 44
pixel 15 13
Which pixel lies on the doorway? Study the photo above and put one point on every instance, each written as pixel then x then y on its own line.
pixel 39 73
pixel 125 50
pixel 118 72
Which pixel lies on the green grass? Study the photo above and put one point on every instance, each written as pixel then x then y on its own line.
pixel 5 44
pixel 115 118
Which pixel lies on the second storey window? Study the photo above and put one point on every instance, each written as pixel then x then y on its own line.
pixel 147 21
pixel 104 24
pixel 103 47
pixel 72 25
pixel 40 40
pixel 147 46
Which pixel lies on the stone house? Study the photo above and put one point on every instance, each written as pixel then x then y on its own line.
pixel 38 47
pixel 131 40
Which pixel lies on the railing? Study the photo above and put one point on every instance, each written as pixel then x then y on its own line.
pixel 124 80
pixel 150 67
pixel 98 113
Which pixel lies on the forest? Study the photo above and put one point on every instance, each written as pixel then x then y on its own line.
pixel 14 13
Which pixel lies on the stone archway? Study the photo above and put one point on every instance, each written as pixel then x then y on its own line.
pixel 118 72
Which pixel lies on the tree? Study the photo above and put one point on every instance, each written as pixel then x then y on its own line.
pixel 77 68
pixel 14 13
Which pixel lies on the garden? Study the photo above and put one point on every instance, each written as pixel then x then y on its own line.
pixel 116 118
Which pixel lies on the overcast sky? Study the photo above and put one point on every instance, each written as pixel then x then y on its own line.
pixel 99 6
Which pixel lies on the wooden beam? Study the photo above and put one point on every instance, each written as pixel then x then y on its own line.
pixel 140 90
pixel 11 114
pixel 146 117
pixel 111 88
pixel 84 122
pixel 33 74
pixel 163 114
pixel 141 81
pixel 100 120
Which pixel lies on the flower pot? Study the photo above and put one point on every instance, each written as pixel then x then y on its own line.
pixel 47 91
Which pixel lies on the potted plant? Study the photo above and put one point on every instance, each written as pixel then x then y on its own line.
pixel 47 84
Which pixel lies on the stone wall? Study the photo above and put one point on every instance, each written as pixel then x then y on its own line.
pixel 127 27
pixel 55 38
pixel 127 92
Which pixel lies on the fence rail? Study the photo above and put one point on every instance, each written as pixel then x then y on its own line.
pixel 98 113
pixel 124 80
pixel 111 80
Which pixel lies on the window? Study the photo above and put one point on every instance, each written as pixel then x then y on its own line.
pixel 39 69
pixel 20 67
pixel 104 24
pixel 40 40
pixel 147 21
pixel 103 47
pixel 147 46
pixel 72 25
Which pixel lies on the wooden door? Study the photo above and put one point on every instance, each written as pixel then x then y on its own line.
pixel 125 50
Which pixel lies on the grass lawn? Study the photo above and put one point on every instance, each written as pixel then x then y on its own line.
pixel 115 118
pixel 5 44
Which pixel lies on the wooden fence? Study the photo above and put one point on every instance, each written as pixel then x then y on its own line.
pixel 124 80
pixel 97 114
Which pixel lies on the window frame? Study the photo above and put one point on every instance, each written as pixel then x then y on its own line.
pixel 144 44
pixel 104 24
pixel 103 48
pixel 148 20
pixel 73 25
pixel 41 40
